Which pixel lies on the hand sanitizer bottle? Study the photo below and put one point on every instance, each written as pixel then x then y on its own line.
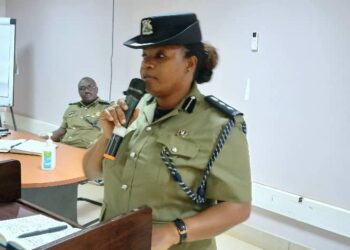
pixel 48 156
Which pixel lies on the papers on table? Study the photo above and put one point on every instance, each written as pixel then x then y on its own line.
pixel 22 146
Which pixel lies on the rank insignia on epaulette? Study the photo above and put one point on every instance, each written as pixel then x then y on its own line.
pixel 223 107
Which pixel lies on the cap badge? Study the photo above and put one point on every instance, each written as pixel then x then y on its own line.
pixel 147 28
pixel 182 133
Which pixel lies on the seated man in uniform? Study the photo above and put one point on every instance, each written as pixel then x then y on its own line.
pixel 80 126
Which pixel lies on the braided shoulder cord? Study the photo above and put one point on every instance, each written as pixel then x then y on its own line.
pixel 199 195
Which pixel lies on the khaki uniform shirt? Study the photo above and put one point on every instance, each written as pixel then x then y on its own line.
pixel 82 123
pixel 139 177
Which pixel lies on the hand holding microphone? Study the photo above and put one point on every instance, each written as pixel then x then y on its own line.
pixel 133 95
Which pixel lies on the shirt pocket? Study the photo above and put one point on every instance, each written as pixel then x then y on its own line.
pixel 179 147
pixel 185 154
pixel 154 170
pixel 73 120
pixel 89 122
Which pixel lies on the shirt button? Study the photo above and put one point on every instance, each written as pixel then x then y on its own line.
pixel 148 129
pixel 132 154
pixel 174 150
pixel 124 187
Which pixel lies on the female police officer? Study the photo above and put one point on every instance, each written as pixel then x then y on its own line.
pixel 185 155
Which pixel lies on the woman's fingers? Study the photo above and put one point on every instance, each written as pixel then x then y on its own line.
pixel 119 112
pixel 120 115
pixel 122 104
pixel 116 113
pixel 107 115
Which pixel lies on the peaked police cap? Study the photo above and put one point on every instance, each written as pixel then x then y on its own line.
pixel 179 28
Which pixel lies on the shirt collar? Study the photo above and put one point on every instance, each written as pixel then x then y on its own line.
pixel 91 104
pixel 151 104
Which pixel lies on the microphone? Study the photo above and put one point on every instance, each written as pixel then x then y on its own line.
pixel 133 95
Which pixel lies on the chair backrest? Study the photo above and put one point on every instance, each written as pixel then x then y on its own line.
pixel 10 180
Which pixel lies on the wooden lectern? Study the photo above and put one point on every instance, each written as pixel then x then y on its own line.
pixel 130 231
pixel 10 180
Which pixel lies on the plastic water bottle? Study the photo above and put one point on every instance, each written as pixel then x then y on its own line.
pixel 48 156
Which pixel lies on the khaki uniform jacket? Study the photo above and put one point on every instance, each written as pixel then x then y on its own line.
pixel 82 123
pixel 139 177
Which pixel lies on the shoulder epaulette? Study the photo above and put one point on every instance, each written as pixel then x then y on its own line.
pixel 223 107
pixel 74 103
pixel 103 102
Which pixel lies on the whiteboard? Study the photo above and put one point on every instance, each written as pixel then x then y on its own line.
pixel 7 60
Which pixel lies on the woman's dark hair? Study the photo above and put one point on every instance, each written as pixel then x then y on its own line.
pixel 207 60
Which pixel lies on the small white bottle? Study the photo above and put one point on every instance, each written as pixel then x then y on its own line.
pixel 48 156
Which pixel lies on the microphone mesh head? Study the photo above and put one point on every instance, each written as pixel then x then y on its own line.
pixel 136 88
